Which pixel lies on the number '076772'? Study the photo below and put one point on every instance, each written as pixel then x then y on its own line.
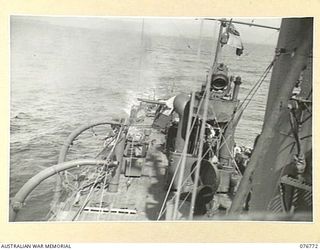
pixel 308 246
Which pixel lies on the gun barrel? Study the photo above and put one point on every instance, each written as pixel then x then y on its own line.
pixel 151 101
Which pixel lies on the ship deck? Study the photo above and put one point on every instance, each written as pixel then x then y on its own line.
pixel 137 199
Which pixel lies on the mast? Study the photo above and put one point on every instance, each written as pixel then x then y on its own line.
pixel 203 124
pixel 219 47
pixel 272 152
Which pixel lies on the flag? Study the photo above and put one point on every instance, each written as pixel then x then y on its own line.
pixel 232 30
pixel 232 38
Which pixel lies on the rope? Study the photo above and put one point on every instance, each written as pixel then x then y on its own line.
pixel 183 157
pixel 106 176
pixel 232 158
pixel 294 126
pixel 178 165
pixel 87 199
pixel 106 145
pixel 184 182
pixel 168 192
pixel 252 92
pixel 99 177
pixel 237 168
pixel 189 131
pixel 241 109
pixel 66 183
pixel 257 85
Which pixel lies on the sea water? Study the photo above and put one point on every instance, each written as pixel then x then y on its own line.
pixel 62 77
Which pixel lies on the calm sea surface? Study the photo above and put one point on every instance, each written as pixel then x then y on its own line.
pixel 62 77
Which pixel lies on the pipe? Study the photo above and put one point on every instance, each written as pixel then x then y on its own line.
pixel 118 152
pixel 180 103
pixel 78 131
pixel 65 148
pixel 31 184
pixel 236 88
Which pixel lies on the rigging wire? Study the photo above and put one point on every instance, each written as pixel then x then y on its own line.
pixel 178 165
pixel 206 97
pixel 120 132
pixel 68 185
pixel 87 199
pixel 252 92
pixel 198 54
pixel 162 211
pixel 193 170
pixel 255 88
pixel 142 53
pixel 183 160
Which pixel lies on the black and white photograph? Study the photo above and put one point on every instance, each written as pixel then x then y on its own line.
pixel 180 119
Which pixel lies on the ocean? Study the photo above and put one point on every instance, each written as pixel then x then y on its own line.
pixel 65 76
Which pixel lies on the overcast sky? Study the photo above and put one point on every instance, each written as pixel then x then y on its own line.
pixel 184 27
